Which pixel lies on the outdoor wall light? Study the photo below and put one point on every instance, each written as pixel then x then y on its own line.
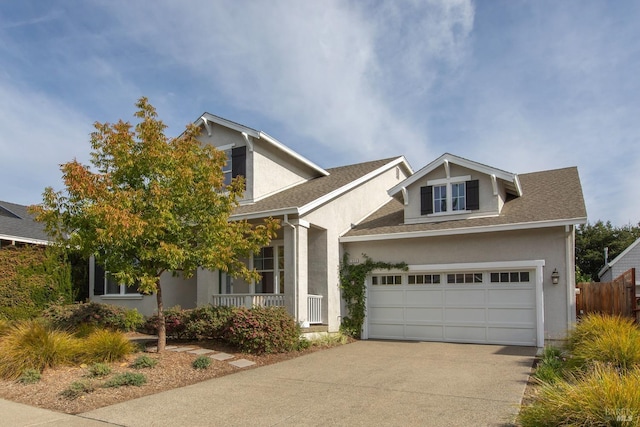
pixel 555 276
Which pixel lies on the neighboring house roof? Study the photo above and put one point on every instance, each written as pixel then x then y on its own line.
pixel 510 179
pixel 206 118
pixel 307 196
pixel 549 198
pixel 17 224
pixel 618 258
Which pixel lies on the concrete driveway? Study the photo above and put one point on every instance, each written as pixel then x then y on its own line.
pixel 362 384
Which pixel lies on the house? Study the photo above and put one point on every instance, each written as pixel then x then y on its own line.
pixel 18 227
pixel 481 244
pixel 629 258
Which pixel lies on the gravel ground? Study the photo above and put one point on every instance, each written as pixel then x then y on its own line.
pixel 173 370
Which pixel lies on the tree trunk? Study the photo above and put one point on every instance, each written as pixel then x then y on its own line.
pixel 162 327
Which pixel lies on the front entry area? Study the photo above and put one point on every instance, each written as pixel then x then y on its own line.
pixel 498 305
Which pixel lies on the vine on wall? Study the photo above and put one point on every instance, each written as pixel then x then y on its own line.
pixel 352 283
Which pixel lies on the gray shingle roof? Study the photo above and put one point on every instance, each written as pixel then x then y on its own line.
pixel 554 195
pixel 18 223
pixel 312 190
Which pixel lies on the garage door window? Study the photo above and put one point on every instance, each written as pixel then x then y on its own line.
pixel 386 280
pixel 424 279
pixel 464 278
pixel 510 277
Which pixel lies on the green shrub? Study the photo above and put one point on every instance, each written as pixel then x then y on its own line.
pixel 607 339
pixel 77 389
pixel 262 330
pixel 551 366
pixel 32 344
pixel 99 370
pixel 30 376
pixel 602 396
pixel 174 320
pixel 201 362
pixel 143 362
pixel 206 322
pixel 106 346
pixel 72 316
pixel 126 379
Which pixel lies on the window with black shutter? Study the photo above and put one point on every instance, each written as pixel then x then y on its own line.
pixel 239 162
pixel 98 280
pixel 426 200
pixel 473 195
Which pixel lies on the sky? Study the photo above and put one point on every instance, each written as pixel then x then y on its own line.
pixel 518 85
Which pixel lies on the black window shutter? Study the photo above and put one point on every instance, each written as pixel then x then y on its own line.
pixel 426 200
pixel 239 162
pixel 473 195
pixel 98 280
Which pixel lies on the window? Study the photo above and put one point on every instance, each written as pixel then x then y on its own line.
pixel 457 197
pixel 464 196
pixel 106 284
pixel 269 262
pixel 464 278
pixel 424 279
pixel 236 164
pixel 440 198
pixel 510 277
pixel 386 280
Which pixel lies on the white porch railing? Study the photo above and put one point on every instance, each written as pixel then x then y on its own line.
pixel 314 303
pixel 314 309
pixel 249 300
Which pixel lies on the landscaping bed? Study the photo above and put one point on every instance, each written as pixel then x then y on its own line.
pixel 173 370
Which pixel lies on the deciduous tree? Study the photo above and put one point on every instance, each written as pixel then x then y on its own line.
pixel 152 204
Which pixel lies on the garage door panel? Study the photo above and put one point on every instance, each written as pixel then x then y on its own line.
pixel 466 333
pixel 385 314
pixel 424 297
pixel 467 297
pixel 520 336
pixel 424 332
pixel 465 315
pixel 426 314
pixel 386 297
pixel 521 315
pixel 389 331
pixel 511 296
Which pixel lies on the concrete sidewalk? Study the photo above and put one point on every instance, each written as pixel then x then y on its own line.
pixel 366 383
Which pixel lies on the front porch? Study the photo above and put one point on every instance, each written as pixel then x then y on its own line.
pixel 314 303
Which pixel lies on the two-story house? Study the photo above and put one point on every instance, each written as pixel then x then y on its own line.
pixel 491 253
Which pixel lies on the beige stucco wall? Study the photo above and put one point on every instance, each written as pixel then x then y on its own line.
pixel 276 170
pixel 489 204
pixel 548 244
pixel 335 219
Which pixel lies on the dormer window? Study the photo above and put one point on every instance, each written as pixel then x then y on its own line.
pixel 448 196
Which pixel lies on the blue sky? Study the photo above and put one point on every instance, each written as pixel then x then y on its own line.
pixel 519 85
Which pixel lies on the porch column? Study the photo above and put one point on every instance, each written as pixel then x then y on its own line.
pixel 296 269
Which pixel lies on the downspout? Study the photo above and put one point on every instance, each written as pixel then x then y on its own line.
pixel 295 267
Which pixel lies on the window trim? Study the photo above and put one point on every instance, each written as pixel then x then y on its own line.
pixel 428 196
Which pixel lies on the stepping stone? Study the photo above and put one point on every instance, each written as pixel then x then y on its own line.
pixel 200 351
pixel 221 356
pixel 242 363
pixel 181 349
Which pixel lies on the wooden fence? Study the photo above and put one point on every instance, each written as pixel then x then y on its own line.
pixel 616 298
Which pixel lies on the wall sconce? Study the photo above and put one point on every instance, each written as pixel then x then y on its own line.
pixel 555 276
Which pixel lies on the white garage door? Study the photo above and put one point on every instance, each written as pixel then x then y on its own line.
pixel 493 307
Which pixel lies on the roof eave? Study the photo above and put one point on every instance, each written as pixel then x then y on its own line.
pixel 464 230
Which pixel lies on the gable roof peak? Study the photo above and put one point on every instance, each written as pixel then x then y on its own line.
pixel 446 158
pixel 206 118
